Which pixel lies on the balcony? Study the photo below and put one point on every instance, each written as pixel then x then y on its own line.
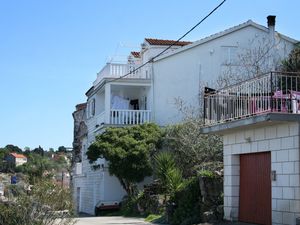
pixel 274 92
pixel 130 117
pixel 116 70
pixel 120 117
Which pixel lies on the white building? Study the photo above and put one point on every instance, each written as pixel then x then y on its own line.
pixel 112 102
pixel 16 159
pixel 150 93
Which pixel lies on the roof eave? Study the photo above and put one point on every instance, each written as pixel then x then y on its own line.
pixel 220 34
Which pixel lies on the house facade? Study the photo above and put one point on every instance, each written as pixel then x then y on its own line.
pixel 155 92
pixel 111 101
pixel 15 159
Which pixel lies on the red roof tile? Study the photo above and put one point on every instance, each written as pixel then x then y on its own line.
pixel 153 41
pixel 16 155
pixel 136 54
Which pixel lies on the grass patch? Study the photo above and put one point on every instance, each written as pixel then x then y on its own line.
pixel 153 218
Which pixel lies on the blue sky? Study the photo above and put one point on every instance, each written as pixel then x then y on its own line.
pixel 50 51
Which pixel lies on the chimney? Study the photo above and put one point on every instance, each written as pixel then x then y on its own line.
pixel 271 21
pixel 271 26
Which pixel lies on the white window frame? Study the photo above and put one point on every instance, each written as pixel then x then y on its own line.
pixel 229 55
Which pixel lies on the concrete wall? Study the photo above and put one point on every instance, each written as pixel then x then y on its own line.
pixel 95 185
pixel 184 74
pixel 283 142
pixel 20 161
pixel 112 188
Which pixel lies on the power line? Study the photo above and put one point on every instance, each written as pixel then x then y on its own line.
pixel 174 43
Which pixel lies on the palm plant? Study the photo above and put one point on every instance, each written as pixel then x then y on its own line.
pixel 168 174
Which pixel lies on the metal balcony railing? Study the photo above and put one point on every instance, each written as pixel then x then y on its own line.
pixel 273 92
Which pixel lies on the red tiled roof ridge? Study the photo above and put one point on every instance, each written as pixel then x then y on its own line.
pixel 136 54
pixel 16 155
pixel 154 41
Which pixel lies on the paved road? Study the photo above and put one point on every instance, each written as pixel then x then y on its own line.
pixel 110 220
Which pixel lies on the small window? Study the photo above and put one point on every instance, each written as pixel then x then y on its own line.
pixel 229 55
pixel 88 111
pixel 93 107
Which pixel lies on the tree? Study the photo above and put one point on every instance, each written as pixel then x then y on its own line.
pixel 27 151
pixel 3 153
pixel 292 63
pixel 36 167
pixel 193 150
pixel 13 148
pixel 128 151
pixel 62 149
pixel 39 151
pixel 47 204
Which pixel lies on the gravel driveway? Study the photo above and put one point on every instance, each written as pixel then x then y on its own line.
pixel 110 220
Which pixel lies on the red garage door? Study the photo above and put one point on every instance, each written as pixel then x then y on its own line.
pixel 255 188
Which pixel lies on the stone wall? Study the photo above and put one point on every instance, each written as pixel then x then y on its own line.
pixel 80 130
pixel 282 140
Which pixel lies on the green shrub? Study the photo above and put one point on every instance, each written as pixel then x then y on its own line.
pixel 154 218
pixel 149 204
pixel 168 173
pixel 187 204
pixel 129 206
pixel 206 173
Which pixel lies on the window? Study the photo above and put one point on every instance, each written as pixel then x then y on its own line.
pixel 229 55
pixel 91 108
pixel 88 111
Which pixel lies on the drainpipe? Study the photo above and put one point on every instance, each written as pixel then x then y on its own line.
pixel 271 27
pixel 298 218
pixel 152 85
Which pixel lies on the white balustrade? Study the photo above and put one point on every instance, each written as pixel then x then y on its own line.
pixel 116 70
pixel 123 117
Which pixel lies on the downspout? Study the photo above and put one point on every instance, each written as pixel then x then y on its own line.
pixel 298 218
pixel 152 84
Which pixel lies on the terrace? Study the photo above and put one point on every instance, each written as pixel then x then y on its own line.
pixel 117 70
pixel 273 93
